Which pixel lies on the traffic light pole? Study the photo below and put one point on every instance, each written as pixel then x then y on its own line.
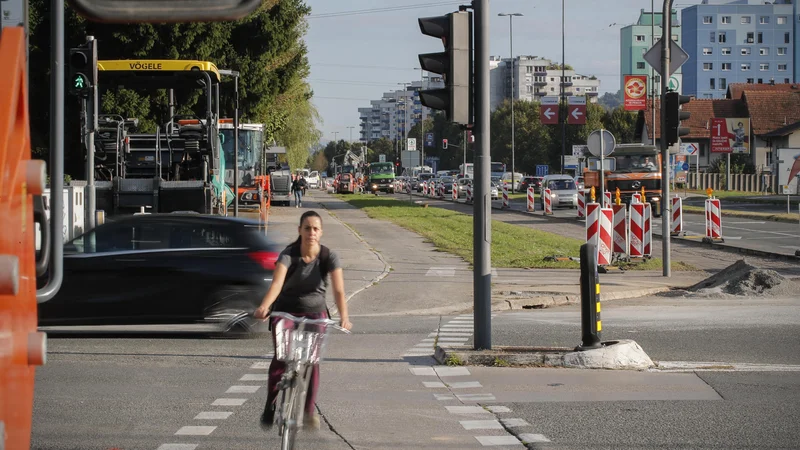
pixel 482 230
pixel 91 127
pixel 666 208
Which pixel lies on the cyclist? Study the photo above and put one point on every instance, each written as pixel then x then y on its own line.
pixel 299 283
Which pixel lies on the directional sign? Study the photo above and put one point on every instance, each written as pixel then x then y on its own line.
pixel 677 56
pixel 576 114
pixel 685 166
pixel 689 148
pixel 542 170
pixel 429 140
pixel 411 145
pixel 549 110
pixel 579 150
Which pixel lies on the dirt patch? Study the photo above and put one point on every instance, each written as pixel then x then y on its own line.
pixel 744 279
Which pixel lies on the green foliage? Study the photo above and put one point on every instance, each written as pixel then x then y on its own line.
pixel 610 101
pixel 319 162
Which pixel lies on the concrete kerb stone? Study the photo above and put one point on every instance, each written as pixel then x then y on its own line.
pixel 613 355
pixel 548 301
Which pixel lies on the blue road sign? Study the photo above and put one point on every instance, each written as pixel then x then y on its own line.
pixel 685 166
pixel 429 140
pixel 542 170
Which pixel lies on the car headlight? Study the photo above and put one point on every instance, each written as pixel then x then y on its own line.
pixel 553 195
pixel 655 199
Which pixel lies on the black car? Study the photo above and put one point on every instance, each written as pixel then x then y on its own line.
pixel 535 182
pixel 163 268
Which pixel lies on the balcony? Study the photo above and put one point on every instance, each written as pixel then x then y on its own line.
pixel 540 73
pixel 566 83
pixel 540 93
pixel 540 83
pixel 592 93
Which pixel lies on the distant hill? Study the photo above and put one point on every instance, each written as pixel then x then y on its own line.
pixel 610 101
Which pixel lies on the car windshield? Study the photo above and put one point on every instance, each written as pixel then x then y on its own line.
pixel 561 185
pixel 446 179
pixel 636 163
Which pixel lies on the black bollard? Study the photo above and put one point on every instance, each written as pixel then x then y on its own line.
pixel 590 299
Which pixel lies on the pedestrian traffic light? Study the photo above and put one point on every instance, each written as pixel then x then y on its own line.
pixel 444 144
pixel 674 116
pixel 83 68
pixel 455 64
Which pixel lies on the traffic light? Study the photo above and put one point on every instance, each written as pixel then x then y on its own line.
pixel 672 108
pixel 455 64
pixel 83 68
pixel 444 144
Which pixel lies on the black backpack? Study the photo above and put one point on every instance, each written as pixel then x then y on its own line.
pixel 324 261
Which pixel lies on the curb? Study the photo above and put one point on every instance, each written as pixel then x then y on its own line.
pixel 548 301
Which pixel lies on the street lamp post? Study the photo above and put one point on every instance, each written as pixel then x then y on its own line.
pixel 351 134
pixel 511 51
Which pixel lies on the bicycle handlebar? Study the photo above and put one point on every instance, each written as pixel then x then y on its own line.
pixel 296 319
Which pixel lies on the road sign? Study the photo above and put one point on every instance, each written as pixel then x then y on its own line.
pixel 570 162
pixel 689 148
pixel 412 145
pixel 382 158
pixel 685 166
pixel 542 170
pixel 429 140
pixel 549 110
pixel 576 114
pixel 594 142
pixel 13 13
pixel 579 150
pixel 677 56
pixel 674 84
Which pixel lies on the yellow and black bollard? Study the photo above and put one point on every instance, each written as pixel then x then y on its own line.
pixel 591 325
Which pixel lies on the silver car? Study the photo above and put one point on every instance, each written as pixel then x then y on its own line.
pixel 563 191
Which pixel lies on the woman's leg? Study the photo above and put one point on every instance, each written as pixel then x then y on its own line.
pixel 276 370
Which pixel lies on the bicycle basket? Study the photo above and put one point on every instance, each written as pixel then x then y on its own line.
pixel 301 346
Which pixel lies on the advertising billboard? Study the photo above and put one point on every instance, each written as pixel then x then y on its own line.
pixel 635 92
pixel 730 135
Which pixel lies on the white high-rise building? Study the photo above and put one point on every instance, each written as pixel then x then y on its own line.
pixel 396 112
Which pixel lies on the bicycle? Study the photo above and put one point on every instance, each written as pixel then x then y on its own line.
pixel 300 349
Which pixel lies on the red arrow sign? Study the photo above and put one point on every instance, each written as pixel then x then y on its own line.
pixel 549 114
pixel 576 114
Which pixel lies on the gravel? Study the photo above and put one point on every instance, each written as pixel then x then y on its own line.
pixel 743 279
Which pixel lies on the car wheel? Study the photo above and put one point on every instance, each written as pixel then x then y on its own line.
pixel 230 308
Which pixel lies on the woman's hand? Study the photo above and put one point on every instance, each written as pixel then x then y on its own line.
pixel 261 312
pixel 345 323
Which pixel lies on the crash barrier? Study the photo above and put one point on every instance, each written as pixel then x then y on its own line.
pixel 455 192
pixel 746 182
pixel 713 219
pixel 425 188
pixel 620 230
pixel 582 204
pixel 441 190
pixel 607 197
pixel 408 188
pixel 598 231
pixel 636 231
pixel 548 202
pixel 591 325
pixel 676 224
pixel 505 195
pixel 469 194
pixel 636 198
pixel 648 230
pixel 531 203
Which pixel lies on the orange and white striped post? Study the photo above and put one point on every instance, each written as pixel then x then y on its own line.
pixel 531 204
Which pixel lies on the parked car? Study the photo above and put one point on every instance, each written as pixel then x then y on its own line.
pixel 563 191
pixel 579 183
pixel 163 268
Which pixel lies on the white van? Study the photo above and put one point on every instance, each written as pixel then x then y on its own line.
pixel 313 180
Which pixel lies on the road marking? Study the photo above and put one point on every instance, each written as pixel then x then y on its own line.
pixel 499 409
pixel 443 397
pixel 441 272
pixel 466 410
pixel 195 431
pixel 433 384
pixel 422 371
pixel 476 397
pixel 461 322
pixel 260 365
pixel 511 423
pixel 449 333
pixel 464 384
pixel 229 402
pixel 213 415
pixel 445 339
pixel 242 389
pixel 715 366
pixel 490 441
pixel 532 438
pixel 444 371
pixel 255 377
pixel 490 424
pixel 177 447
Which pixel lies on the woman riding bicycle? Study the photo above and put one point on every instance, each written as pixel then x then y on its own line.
pixel 299 283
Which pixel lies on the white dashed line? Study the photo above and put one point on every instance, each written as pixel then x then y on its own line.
pixel 441 272
pixel 465 384
pixel 433 384
pixel 422 370
pixel 511 423
pixel 489 441
pixel 451 371
pixel 255 377
pixel 476 398
pixel 466 410
pixel 229 402
pixel 242 389
pixel 261 365
pixel 451 334
pixel 177 447
pixel 481 424
pixel 213 415
pixel 529 438
pixel 498 409
pixel 195 431
pixel 444 397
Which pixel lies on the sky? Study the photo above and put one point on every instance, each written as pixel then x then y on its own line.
pixel 357 55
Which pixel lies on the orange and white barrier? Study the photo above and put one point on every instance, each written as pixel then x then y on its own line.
pixel 648 229
pixel 598 231
pixel 713 218
pixel 505 195
pixel 469 193
pixel 676 225
pixel 548 202
pixel 607 196
pixel 636 230
pixel 441 190
pixel 455 192
pixel 620 229
pixel 581 204
pixel 636 198
pixel 531 204
pixel 424 188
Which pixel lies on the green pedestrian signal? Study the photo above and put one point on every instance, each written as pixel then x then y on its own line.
pixel 80 81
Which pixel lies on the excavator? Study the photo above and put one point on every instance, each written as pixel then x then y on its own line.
pixel 22 347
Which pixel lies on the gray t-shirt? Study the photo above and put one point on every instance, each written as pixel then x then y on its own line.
pixel 304 291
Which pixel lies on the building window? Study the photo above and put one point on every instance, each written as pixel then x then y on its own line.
pixel 763 51
pixel 781 67
pixel 708 51
pixel 726 50
pixel 639 38
pixel 675 37
pixel 712 36
pixel 745 66
pixel 708 66
pixel 726 66
pixel 786 80
pixel 749 81
pixel 723 38
pixel 781 20
pixel 529 89
pixel 749 39
pixel 760 37
pixel 723 84
pixel 745 50
pixel 745 19
pixel 528 69
pixel 781 50
pixel 708 19
pixel 760 81
pixel 763 66
pixel 708 95
pixel 787 38
pixel 640 65
pixel 711 84
pixel 763 20
pixel 726 19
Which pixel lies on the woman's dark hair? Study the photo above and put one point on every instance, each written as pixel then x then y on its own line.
pixel 306 215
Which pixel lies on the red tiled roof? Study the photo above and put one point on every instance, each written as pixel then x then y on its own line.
pixel 735 90
pixel 770 110
pixel 702 110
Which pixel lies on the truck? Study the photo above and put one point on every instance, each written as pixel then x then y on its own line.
pixel 629 168
pixel 380 177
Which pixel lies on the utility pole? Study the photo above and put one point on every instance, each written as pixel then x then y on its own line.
pixel 91 128
pixel 511 51
pixel 563 102
pixel 652 71
pixel 482 213
pixel 666 40
pixel 422 120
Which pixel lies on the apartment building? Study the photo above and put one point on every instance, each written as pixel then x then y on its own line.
pixel 396 112
pixel 636 39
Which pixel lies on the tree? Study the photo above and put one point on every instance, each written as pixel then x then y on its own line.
pixel 319 162
pixel 299 132
pixel 531 138
pixel 621 123
pixel 610 101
